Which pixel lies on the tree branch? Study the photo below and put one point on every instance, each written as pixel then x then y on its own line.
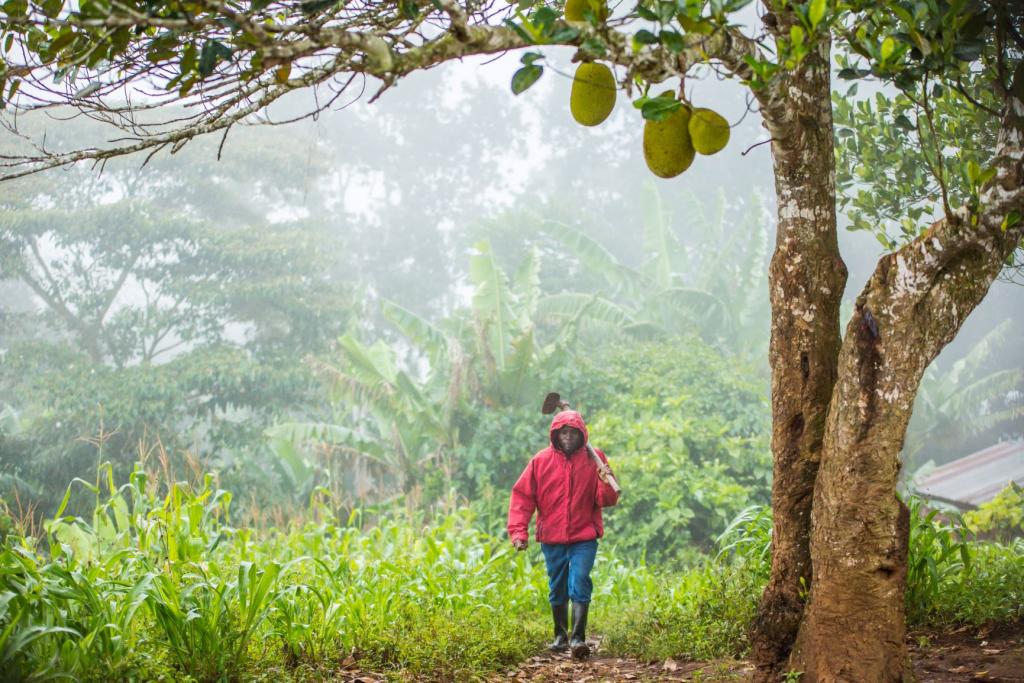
pixel 924 291
pixel 385 48
pixel 112 295
pixel 51 297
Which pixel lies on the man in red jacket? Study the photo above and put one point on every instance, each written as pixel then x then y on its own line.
pixel 567 489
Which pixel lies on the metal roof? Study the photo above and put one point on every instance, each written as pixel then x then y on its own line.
pixel 978 477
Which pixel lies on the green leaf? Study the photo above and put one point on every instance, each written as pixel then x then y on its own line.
pixel 796 35
pixel 525 77
pixel 410 10
pixel 973 172
pixel 577 306
pixel 590 252
pixel 491 299
pixel 87 90
pixel 370 365
pixel 15 8
pixel 645 13
pixel 699 26
pixel 531 57
pixel 521 32
pixel 1012 219
pixel 51 8
pixel 544 18
pixel 565 34
pixel 888 46
pixel 902 13
pixel 188 58
pixel 420 331
pixel 213 51
pixel 659 108
pixel 672 40
pixel 666 10
pixel 62 41
pixel 645 37
pixel 816 12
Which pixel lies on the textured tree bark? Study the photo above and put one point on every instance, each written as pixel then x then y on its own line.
pixel 854 624
pixel 806 281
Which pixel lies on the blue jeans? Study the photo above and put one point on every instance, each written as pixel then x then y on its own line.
pixel 569 568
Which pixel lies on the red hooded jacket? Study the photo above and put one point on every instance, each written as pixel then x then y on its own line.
pixel 564 490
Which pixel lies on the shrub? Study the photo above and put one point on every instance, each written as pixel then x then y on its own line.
pixel 1002 517
pixel 687 431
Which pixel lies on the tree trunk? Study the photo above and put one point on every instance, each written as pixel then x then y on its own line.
pixel 854 625
pixel 806 281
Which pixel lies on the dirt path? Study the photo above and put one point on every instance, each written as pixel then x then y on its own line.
pixel 600 668
pixel 967 655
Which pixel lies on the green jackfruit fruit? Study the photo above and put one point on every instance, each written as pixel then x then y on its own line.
pixel 667 147
pixel 593 94
pixel 709 131
pixel 574 10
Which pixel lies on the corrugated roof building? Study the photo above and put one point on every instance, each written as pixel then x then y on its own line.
pixel 976 478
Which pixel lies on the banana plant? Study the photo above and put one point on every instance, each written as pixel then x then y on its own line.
pixel 385 415
pixel 405 421
pixel 714 286
pixel 966 400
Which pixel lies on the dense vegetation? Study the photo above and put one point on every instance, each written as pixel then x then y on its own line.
pixel 289 504
pixel 158 583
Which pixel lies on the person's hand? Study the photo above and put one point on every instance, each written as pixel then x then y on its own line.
pixel 519 543
pixel 604 472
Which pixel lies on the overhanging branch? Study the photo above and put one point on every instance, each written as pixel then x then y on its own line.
pixel 318 51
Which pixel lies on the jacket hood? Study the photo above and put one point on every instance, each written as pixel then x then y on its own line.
pixel 571 418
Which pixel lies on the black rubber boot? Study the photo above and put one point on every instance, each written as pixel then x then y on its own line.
pixel 560 614
pixel 578 639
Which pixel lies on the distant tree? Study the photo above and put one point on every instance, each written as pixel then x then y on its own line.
pixel 133 265
pixel 840 407
pixel 150 317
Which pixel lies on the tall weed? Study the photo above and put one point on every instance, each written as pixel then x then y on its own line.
pixel 157 585
pixel 166 576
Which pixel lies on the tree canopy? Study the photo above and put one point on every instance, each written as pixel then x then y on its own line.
pixel 122 63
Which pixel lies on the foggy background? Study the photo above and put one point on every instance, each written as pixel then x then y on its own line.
pixel 390 198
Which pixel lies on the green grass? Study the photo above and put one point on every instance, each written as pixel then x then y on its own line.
pixel 157 585
pixel 703 613
pixel 953 579
pixel 171 578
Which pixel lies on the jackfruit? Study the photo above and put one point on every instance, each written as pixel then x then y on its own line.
pixel 667 147
pixel 709 131
pixel 574 10
pixel 593 94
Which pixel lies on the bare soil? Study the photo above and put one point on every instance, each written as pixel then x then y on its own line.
pixel 965 655
pixel 993 655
